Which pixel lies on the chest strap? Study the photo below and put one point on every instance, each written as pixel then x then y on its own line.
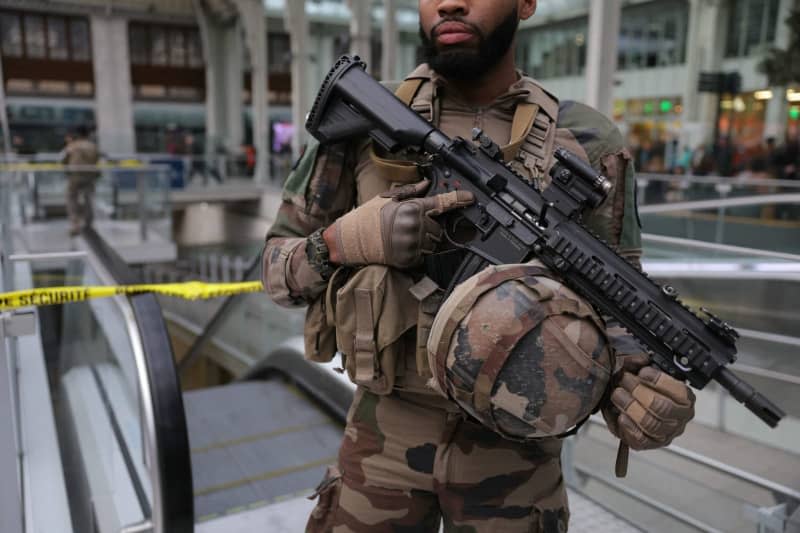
pixel 401 171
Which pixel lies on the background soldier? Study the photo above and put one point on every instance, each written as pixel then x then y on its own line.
pixel 409 456
pixel 80 183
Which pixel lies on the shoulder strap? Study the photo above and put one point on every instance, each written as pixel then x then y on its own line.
pixel 408 89
pixel 531 127
pixel 520 126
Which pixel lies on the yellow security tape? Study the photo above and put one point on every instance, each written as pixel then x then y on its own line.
pixel 190 290
pixel 123 164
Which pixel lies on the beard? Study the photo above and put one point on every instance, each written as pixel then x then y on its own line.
pixel 469 62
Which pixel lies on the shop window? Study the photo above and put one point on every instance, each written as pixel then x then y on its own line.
pixel 177 48
pixel 11 34
pixel 554 50
pixel 139 45
pixel 158 46
pixel 751 26
pixel 57 38
pixel 193 49
pixel 80 46
pixel 653 35
pixel 279 52
pixel 34 36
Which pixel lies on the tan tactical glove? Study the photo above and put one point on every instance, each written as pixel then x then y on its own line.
pixel 396 228
pixel 648 408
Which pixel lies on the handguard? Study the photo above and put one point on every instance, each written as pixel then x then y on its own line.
pixel 514 222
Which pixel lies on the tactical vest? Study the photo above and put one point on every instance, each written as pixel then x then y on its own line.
pixel 379 317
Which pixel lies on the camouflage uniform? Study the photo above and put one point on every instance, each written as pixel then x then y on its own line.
pixel 410 456
pixel 80 184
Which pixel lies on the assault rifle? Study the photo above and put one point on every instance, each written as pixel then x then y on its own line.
pixel 515 222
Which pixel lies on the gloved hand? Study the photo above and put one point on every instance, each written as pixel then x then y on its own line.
pixel 648 408
pixel 395 228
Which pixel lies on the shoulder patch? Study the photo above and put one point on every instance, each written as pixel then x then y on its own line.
pixel 593 130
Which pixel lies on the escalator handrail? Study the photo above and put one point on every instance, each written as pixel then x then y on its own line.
pixel 167 446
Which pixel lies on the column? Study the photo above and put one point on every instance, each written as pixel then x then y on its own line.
pixel 222 52
pixel 360 29
pixel 389 38
pixel 112 85
pixel 777 106
pixel 601 54
pixel 253 16
pixel 704 49
pixel 297 23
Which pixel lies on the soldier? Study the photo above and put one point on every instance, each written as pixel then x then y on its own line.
pixel 80 185
pixel 427 441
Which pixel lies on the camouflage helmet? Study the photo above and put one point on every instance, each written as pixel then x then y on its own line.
pixel 520 352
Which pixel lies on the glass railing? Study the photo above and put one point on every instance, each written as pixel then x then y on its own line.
pixel 242 330
pixel 664 188
pixel 108 389
pixel 11 482
pixel 707 488
pixel 766 222
pixel 132 195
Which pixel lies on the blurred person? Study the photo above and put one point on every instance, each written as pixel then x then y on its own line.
pixel 198 162
pixel 20 146
pixel 702 161
pixel 80 183
pixel 249 159
pixel 684 160
pixel 723 154
pixel 353 228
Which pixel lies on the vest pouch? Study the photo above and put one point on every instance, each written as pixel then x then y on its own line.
pixel 319 330
pixel 320 338
pixel 373 311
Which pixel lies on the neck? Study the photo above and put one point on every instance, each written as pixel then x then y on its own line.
pixel 484 90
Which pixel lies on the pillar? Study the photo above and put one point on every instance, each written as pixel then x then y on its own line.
pixel 360 29
pixel 389 38
pixel 705 43
pixel 254 21
pixel 297 23
pixel 601 55
pixel 777 106
pixel 112 85
pixel 222 53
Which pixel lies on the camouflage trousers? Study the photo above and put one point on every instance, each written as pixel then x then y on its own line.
pixel 409 461
pixel 80 190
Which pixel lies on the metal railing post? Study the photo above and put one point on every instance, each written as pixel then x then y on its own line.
pixel 11 502
pixel 140 194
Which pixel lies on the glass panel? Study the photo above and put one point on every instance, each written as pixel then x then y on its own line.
pixel 57 38
pixel 34 36
pixel 158 43
pixel 662 189
pixel 140 51
pixel 177 48
pixel 99 418
pixel 11 35
pixel 79 37
pixel 771 227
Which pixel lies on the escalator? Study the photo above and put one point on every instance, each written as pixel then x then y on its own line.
pixel 131 451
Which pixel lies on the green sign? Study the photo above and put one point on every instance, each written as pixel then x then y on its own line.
pixel 794 113
pixel 666 106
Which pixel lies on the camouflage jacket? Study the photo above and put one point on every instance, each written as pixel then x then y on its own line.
pixel 330 180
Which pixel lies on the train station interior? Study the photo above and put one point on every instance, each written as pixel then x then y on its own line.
pixel 153 413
